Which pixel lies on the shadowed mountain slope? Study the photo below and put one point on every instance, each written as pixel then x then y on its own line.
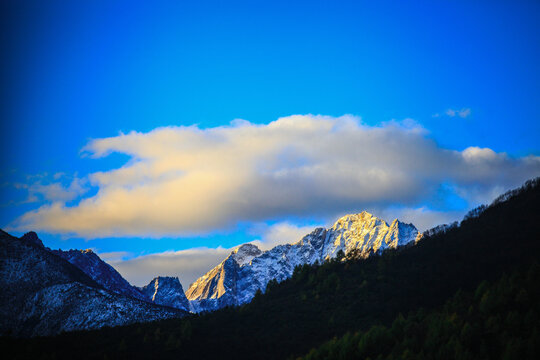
pixel 43 294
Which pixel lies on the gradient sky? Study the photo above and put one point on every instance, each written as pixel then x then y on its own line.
pixel 430 77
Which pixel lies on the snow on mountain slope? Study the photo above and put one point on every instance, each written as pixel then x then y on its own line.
pixel 167 291
pixel 74 306
pixel 103 273
pixel 248 269
pixel 43 294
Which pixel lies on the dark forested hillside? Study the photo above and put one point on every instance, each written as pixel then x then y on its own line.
pixel 321 302
pixel 498 320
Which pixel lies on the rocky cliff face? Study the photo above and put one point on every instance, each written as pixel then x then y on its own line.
pixel 167 291
pixel 248 269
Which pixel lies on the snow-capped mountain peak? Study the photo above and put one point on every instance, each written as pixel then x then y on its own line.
pixel 247 269
pixel 366 234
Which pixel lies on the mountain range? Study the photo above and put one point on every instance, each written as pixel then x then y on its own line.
pixel 89 293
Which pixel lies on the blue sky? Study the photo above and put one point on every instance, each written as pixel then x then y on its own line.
pixel 435 76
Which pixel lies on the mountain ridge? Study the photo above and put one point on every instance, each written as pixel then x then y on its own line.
pixel 44 294
pixel 247 269
pixel 101 272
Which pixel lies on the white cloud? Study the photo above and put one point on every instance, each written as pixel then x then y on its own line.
pixel 186 180
pixel 462 113
pixel 41 188
pixel 58 192
pixel 279 233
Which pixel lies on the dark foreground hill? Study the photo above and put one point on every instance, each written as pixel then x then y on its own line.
pixel 499 320
pixel 320 302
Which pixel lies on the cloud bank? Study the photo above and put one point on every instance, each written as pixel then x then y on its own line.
pixel 187 180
